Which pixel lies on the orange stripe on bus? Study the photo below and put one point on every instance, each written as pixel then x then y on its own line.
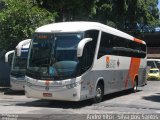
pixel 138 40
pixel 133 70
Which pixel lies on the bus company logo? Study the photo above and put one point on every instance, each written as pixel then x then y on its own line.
pixel 110 63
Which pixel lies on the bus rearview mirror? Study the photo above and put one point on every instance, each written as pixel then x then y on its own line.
pixel 20 46
pixel 18 52
pixel 81 45
pixel 7 54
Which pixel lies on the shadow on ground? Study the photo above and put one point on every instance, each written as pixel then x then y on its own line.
pixel 154 98
pixel 119 94
pixel 56 104
pixel 12 92
pixel 68 104
pixel 3 89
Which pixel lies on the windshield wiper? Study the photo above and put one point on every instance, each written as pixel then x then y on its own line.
pixel 40 60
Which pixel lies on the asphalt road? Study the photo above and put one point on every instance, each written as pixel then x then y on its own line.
pixel 14 105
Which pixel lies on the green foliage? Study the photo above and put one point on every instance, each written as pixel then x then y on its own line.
pixel 69 10
pixel 139 14
pixel 128 15
pixel 104 11
pixel 19 20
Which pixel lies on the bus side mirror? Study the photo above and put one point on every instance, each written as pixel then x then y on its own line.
pixel 18 51
pixel 7 54
pixel 20 46
pixel 6 59
pixel 81 45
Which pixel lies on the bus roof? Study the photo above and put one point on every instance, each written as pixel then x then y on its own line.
pixel 80 27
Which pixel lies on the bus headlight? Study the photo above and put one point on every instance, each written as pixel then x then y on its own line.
pixel 69 86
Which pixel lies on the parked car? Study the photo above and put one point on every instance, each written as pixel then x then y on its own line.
pixel 154 74
pixel 153 63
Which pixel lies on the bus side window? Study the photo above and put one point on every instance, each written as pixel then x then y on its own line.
pixel 106 45
pixel 89 50
pixel 115 45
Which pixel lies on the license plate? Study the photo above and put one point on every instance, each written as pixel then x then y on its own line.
pixel 47 94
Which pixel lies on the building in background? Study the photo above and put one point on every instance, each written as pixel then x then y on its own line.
pixel 153 43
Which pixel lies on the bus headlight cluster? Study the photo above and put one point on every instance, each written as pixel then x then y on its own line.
pixel 69 86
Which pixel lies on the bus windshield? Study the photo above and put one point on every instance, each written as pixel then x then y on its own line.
pixel 154 71
pixel 53 56
pixel 20 62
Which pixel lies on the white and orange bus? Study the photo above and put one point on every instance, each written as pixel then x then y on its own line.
pixel 74 61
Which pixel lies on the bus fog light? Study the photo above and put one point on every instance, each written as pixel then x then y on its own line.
pixel 74 94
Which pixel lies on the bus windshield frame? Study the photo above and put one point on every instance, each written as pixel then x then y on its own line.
pixel 53 56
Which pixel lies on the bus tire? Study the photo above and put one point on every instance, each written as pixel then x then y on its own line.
pixel 99 93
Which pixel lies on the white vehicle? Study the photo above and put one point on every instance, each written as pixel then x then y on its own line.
pixel 153 63
pixel 74 61
pixel 18 67
pixel 5 70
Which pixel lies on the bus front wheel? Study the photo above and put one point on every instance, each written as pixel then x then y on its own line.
pixel 99 93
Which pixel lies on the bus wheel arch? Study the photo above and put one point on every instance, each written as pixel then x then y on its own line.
pixel 99 91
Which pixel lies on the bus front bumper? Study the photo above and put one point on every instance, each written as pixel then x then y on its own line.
pixel 53 92
pixel 17 84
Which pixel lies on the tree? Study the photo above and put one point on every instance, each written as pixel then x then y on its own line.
pixel 103 11
pixel 137 14
pixel 19 20
pixel 68 10
pixel 126 15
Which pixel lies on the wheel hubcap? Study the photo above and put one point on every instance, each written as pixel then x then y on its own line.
pixel 99 93
pixel 135 86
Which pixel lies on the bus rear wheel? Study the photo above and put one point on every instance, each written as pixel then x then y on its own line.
pixel 135 86
pixel 99 93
